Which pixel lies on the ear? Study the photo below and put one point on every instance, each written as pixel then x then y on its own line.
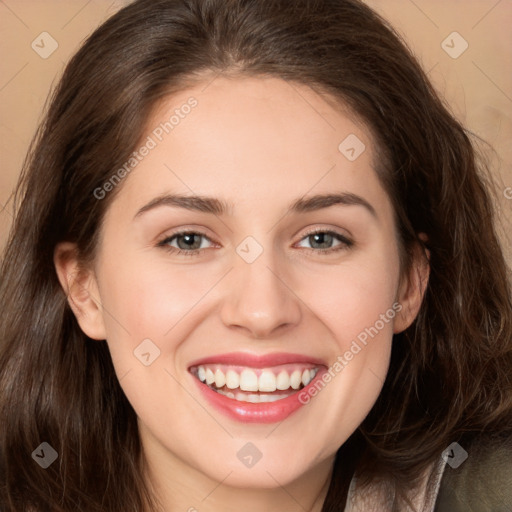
pixel 412 288
pixel 81 289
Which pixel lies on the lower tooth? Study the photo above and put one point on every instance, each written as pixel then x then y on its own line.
pixel 271 398
pixel 252 398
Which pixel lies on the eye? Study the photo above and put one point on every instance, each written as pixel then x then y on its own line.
pixel 325 239
pixel 188 242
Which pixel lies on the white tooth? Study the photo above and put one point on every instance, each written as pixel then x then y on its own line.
pixel 256 399
pixel 271 398
pixel 306 377
pixel 296 379
pixel 312 373
pixel 274 398
pixel 232 379
pixel 229 394
pixel 248 381
pixel 283 380
pixel 267 381
pixel 201 374
pixel 253 398
pixel 220 378
pixel 244 397
pixel 210 377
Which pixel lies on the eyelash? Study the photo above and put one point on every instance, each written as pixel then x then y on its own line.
pixel 345 242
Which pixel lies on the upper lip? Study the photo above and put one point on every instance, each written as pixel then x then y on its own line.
pixel 257 360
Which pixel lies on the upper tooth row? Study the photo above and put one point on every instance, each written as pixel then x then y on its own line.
pixel 247 380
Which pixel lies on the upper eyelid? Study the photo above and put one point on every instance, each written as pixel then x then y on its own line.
pixel 187 232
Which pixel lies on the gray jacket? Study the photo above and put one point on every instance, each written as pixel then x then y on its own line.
pixel 482 483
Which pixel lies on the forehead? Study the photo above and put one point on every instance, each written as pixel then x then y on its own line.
pixel 255 140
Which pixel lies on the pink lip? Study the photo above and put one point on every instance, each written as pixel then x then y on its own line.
pixel 257 361
pixel 266 412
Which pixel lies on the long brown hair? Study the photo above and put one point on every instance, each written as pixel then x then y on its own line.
pixel 449 376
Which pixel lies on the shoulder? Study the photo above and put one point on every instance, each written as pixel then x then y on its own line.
pixel 483 482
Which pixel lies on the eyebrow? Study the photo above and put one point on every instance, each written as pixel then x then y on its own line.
pixel 216 206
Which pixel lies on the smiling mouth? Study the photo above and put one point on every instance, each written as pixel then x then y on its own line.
pixel 255 385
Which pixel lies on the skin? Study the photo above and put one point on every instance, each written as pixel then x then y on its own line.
pixel 258 144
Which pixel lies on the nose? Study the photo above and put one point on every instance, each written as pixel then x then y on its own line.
pixel 259 300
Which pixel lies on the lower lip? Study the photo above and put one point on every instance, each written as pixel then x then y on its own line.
pixel 265 412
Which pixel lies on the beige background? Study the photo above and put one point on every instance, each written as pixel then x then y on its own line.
pixel 477 84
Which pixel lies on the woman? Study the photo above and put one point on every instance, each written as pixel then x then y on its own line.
pixel 141 370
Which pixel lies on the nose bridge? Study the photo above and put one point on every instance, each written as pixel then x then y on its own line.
pixel 257 296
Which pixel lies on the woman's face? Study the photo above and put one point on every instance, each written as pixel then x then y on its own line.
pixel 253 300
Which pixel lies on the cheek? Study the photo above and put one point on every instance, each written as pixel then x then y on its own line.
pixel 150 299
pixel 357 304
pixel 160 303
pixel 352 296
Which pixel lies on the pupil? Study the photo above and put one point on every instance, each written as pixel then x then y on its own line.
pixel 321 237
pixel 189 240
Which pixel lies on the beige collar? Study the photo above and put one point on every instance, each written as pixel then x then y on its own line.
pixel 380 496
